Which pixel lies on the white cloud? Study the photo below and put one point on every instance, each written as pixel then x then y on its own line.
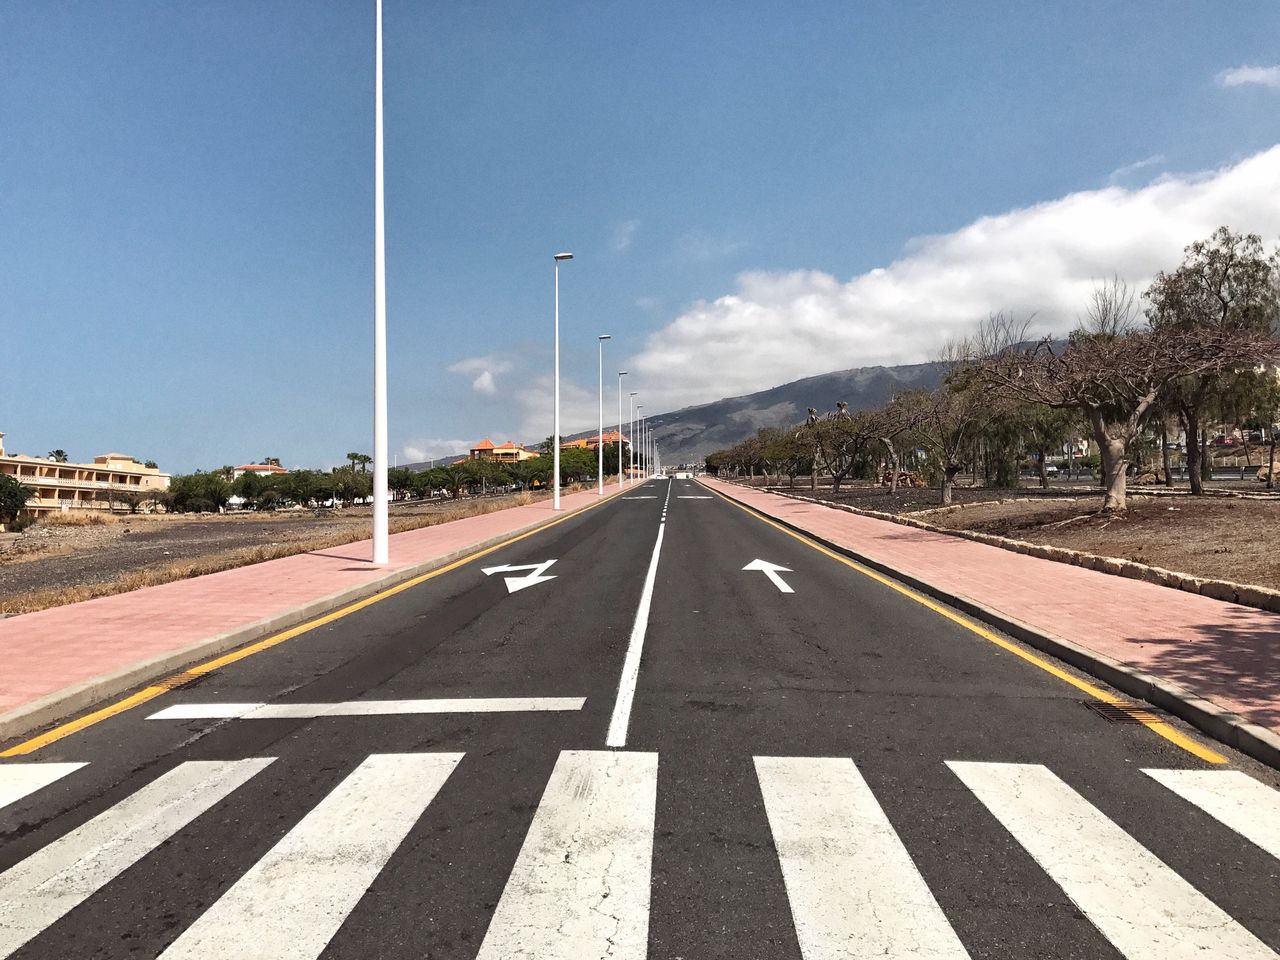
pixel 1120 173
pixel 416 451
pixel 777 327
pixel 1250 76
pixel 624 234
pixel 484 368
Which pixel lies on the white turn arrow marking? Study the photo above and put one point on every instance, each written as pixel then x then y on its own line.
pixel 771 570
pixel 519 583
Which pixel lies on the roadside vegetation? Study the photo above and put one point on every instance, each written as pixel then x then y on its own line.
pixel 1194 357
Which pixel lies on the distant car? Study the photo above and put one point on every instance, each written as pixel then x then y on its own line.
pixel 1050 470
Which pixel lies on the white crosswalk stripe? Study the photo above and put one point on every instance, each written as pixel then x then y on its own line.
pixel 17 780
pixel 45 886
pixel 853 888
pixel 1143 907
pixel 291 903
pixel 580 886
pixel 1235 799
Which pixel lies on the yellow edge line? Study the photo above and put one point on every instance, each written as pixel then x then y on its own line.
pixel 1156 726
pixel 151 692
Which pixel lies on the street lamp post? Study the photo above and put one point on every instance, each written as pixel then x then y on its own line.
pixel 600 438
pixel 381 547
pixel 640 428
pixel 555 430
pixel 621 374
pixel 631 447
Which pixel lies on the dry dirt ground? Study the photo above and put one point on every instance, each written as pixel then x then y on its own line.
pixel 1222 538
pixel 1219 538
pixel 51 563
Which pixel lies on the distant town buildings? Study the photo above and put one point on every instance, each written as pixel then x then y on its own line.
pixel 108 481
pixel 509 452
pixel 590 443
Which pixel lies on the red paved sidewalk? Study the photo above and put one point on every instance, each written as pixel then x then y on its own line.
pixel 1226 653
pixel 54 650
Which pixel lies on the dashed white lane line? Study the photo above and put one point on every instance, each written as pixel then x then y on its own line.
pixel 853 888
pixel 19 779
pixel 621 719
pixel 364 708
pixel 290 903
pixel 580 886
pixel 1233 798
pixel 50 883
pixel 1140 904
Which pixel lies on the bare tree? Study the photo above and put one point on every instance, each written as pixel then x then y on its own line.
pixel 1111 370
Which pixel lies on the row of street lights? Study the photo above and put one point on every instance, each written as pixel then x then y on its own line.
pixel 380 517
pixel 646 454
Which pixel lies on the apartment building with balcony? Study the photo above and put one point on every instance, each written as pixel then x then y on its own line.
pixel 101 485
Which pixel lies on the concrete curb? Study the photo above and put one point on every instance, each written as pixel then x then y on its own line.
pixel 1228 591
pixel 1222 725
pixel 77 698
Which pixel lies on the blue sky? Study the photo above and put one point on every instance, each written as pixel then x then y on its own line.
pixel 754 192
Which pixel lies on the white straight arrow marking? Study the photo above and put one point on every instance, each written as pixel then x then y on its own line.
pixel 519 583
pixel 771 570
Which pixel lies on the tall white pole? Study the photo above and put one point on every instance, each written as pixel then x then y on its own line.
pixel 555 430
pixel 600 436
pixel 621 471
pixel 631 447
pixel 640 429
pixel 380 544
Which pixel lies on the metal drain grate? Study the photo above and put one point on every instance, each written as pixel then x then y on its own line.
pixel 1123 712
pixel 178 681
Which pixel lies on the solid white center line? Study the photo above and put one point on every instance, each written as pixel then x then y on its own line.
pixel 621 719
pixel 364 708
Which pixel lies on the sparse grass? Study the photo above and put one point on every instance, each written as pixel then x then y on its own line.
pixel 34 600
pixel 79 518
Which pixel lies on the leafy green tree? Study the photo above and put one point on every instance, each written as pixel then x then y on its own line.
pixel 13 497
pixel 199 492
pixel 361 460
pixel 1225 284
pixel 400 482
pixel 249 486
pixel 151 465
pixel 58 456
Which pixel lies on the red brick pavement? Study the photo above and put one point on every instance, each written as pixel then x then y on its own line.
pixel 48 651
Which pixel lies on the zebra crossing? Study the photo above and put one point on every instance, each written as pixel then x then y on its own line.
pixel 580 884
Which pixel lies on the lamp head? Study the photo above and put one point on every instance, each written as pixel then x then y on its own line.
pixel 604 336
pixel 563 256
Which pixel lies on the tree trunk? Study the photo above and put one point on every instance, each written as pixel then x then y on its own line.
pixel 1044 473
pixel 1164 452
pixel 1271 460
pixel 813 477
pixel 948 482
pixel 1195 453
pixel 1114 465
pixel 893 466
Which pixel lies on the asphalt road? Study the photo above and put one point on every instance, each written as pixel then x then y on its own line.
pixel 657 753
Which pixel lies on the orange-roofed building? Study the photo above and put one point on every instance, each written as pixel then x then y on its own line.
pixel 261 469
pixel 509 452
pixel 589 443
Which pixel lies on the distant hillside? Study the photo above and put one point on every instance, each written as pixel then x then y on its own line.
pixel 688 435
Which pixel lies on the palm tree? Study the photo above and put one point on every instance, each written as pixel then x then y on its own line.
pixel 359 459
pixel 58 456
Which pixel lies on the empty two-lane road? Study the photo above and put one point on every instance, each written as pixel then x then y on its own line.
pixel 663 727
